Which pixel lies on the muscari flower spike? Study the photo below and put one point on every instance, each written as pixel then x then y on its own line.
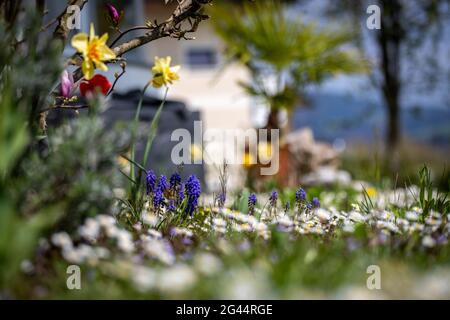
pixel 180 194
pixel 273 198
pixel 150 181
pixel 287 206
pixel 175 180
pixel 162 183
pixel 171 206
pixel 300 195
pixel 193 191
pixel 315 203
pixel 158 198
pixel 251 203
pixel 221 198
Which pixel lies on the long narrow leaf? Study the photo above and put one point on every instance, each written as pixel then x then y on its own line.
pixel 153 128
pixel 140 166
pixel 135 128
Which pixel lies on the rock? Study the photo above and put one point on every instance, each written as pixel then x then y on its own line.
pixel 313 162
pixel 327 176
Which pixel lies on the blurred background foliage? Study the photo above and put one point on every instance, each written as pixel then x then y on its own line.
pixel 55 182
pixel 48 179
pixel 283 54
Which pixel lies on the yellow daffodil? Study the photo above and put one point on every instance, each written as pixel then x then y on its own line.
pixel 248 160
pixel 163 73
pixel 94 51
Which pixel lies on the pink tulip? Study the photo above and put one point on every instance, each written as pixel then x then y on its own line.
pixel 67 84
pixel 113 13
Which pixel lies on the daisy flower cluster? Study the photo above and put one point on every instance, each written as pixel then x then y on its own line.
pixel 167 256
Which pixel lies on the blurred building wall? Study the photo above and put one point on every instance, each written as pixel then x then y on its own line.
pixel 205 86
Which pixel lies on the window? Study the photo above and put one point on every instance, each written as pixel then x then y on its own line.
pixel 201 58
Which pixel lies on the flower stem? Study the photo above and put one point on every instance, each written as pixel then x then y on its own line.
pixel 153 128
pixel 121 34
pixel 134 133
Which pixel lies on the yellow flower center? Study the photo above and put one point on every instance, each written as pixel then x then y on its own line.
pixel 93 52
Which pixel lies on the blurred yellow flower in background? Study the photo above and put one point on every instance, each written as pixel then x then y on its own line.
pixel 264 151
pixel 94 51
pixel 163 73
pixel 196 153
pixel 371 192
pixel 248 160
pixel 123 162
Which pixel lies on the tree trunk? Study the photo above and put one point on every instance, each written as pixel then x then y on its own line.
pixel 393 125
pixel 389 40
pixel 272 120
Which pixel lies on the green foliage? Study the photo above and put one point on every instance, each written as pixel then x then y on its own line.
pixel 428 198
pixel 287 50
pixel 79 171
pixel 13 133
pixel 45 187
pixel 366 205
pixel 241 201
pixel 29 68
pixel 366 163
pixel 19 238
pixel 26 78
pixel 136 193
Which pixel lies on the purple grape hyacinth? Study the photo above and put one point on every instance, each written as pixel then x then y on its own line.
pixel 180 194
pixel 315 203
pixel 150 181
pixel 273 198
pixel 158 198
pixel 193 191
pixel 175 181
pixel 171 206
pixel 300 195
pixel 251 203
pixel 162 183
pixel 221 198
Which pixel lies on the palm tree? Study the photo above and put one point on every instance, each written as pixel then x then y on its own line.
pixel 278 49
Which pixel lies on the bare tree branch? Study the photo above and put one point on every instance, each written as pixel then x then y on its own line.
pixel 186 9
pixel 62 30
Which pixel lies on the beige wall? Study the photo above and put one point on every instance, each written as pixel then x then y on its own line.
pixel 213 91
